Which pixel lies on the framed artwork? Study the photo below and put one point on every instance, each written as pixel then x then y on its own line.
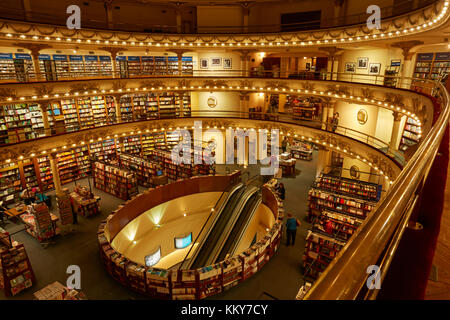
pixel 227 63
pixel 396 63
pixel 350 67
pixel 362 63
pixel 374 68
pixel 203 63
pixel 216 62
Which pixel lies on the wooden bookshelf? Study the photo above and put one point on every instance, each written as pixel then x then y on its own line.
pixel 119 182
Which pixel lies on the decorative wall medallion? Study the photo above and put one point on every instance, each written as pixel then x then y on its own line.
pixel 354 172
pixel 212 102
pixel 362 116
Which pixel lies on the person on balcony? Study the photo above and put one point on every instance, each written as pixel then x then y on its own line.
pixel 335 122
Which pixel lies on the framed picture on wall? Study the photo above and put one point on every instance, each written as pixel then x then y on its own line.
pixel 374 68
pixel 350 67
pixel 362 63
pixel 203 63
pixel 216 62
pixel 227 63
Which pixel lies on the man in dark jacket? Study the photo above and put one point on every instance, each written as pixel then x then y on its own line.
pixel 291 229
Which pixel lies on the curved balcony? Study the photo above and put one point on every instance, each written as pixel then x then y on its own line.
pixel 427 18
pixel 376 241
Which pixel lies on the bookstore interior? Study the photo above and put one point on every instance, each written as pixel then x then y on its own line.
pixel 193 159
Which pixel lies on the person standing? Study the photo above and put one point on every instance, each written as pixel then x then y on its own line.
pixel 281 191
pixel 26 195
pixel 284 144
pixel 335 121
pixel 291 229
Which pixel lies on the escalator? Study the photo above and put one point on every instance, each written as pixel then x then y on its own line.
pixel 207 245
pixel 240 226
pixel 239 207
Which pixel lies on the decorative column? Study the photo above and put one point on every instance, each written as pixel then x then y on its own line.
pixel 245 15
pixel 113 51
pixel 35 49
pixel 406 70
pixel 245 61
pixel 179 53
pixel 109 13
pixel 43 105
pixel 323 160
pixel 55 173
pixel 116 98
pixel 243 106
pixel 333 54
pixel 339 12
pixel 181 101
pixel 395 136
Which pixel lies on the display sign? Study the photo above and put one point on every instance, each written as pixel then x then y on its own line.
pixel 172 58
pixel 44 57
pixel 425 56
pixel 105 58
pixel 90 58
pixel 75 58
pixel 23 56
pixel 121 58
pixel 60 57
pixel 396 63
pixel 183 242
pixel 443 56
pixel 153 258
pixel 189 59
pixel 160 58
pixel 132 58
pixel 146 58
pixel 6 56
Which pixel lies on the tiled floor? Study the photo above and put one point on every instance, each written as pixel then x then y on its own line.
pixel 440 289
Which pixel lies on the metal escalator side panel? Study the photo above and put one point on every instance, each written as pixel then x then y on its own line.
pixel 240 225
pixel 231 198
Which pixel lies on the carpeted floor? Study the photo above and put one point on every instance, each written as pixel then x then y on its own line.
pixel 279 279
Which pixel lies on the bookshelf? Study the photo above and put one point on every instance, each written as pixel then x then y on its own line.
pixel 119 182
pixel 76 66
pixel 139 106
pixel 28 174
pixel 16 273
pixel 148 144
pixel 7 70
pixel 105 65
pixel 45 173
pixel 103 150
pixel 186 112
pixel 111 110
pixel 134 65
pixel 160 66
pixel 187 65
pixel 69 110
pixel 337 207
pixel 411 134
pixel 85 113
pixel 82 161
pixel 126 108
pixel 17 120
pixel 92 66
pixel 39 222
pixel 167 106
pixel 37 124
pixel 84 201
pixel 99 111
pixel 144 169
pixel 67 166
pixel 10 183
pixel 131 145
pixel 172 65
pixel 148 65
pixel 62 65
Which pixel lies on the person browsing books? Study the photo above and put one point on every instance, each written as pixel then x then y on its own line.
pixel 291 229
